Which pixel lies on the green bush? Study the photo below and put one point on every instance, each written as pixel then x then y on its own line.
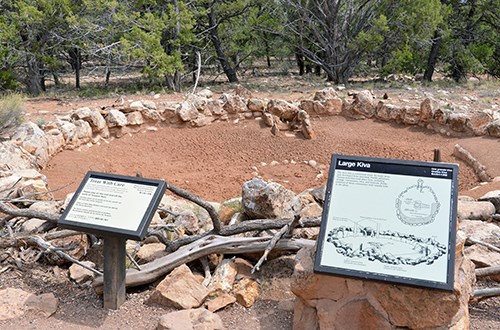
pixel 11 110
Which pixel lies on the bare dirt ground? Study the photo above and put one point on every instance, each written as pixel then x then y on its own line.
pixel 213 162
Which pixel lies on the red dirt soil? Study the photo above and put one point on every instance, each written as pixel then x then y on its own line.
pixel 214 161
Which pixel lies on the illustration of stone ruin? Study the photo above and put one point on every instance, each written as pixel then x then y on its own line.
pixel 366 240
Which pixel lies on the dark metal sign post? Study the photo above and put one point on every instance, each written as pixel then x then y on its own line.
pixel 117 208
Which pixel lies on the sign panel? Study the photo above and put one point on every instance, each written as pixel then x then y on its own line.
pixel 111 204
pixel 390 220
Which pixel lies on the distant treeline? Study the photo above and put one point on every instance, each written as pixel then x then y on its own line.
pixel 169 40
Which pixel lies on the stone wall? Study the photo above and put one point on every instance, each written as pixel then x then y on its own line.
pixel 338 303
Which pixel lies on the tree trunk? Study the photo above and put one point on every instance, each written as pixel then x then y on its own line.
pixel 299 57
pixel 433 55
pixel 229 71
pixel 33 79
pixel 75 57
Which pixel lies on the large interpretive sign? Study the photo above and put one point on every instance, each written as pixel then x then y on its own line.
pixel 111 204
pixel 390 220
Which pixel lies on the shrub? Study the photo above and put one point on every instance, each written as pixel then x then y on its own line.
pixel 11 111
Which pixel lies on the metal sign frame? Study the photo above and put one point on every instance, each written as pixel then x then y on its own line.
pixel 390 220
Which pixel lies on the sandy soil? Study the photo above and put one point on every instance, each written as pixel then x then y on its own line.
pixel 214 162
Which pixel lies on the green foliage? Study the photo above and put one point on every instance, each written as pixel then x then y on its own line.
pixel 7 80
pixel 11 110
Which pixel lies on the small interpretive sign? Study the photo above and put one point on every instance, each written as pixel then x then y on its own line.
pixel 111 204
pixel 390 220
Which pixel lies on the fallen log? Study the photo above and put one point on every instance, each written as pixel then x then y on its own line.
pixel 160 267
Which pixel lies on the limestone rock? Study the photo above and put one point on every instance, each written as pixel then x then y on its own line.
pixel 83 131
pixel 494 128
pixel 206 93
pixel 246 292
pixel 427 109
pixel 325 94
pixel 135 118
pixel 256 105
pixel 283 109
pixel 482 256
pixel 15 302
pixel 233 103
pixel 32 225
pixel 220 302
pixel 68 130
pixel 187 221
pixel 116 118
pixel 150 252
pixel 267 200
pixel 180 289
pixel 329 301
pixel 457 121
pixel 79 274
pixel 151 115
pixel 478 122
pixel 191 319
pixel 37 189
pixel 484 231
pixel 55 141
pixel 492 197
pixel 361 107
pixel 475 210
pixel 333 106
pixel 441 116
pixel 387 112
pixel 410 115
pixel 242 91
pixel 224 276
pixel 187 111
pixel 32 139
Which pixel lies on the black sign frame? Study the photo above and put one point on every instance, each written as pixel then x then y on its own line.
pixel 139 231
pixel 347 246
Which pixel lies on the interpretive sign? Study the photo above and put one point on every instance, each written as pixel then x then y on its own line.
pixel 111 204
pixel 390 220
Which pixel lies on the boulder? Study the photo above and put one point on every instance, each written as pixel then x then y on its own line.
pixel 81 275
pixel 206 93
pixel 441 116
pixel 457 121
pixel 478 122
pixel 150 252
pixel 482 256
pixel 55 141
pixel 246 292
pixel 32 139
pixel 15 302
pixel 116 118
pixel 410 115
pixel 135 118
pixel 256 105
pixel 36 189
pixel 68 130
pixel 492 197
pixel 219 302
pixel 267 200
pixel 473 210
pixel 337 302
pixel 233 103
pixel 187 111
pixel 13 158
pixel 191 319
pixel 428 108
pixel 283 109
pixel 180 289
pixel 483 231
pixel 223 276
pixel 494 128
pixel 83 131
pixel 325 94
pixel 387 112
pixel 361 107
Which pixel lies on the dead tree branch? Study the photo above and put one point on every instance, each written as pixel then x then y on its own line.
pixel 488 271
pixel 272 243
pixel 486 293
pixel 198 201
pixel 489 246
pixel 207 245
pixel 27 213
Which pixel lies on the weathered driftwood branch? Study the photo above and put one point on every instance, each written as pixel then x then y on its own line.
pixel 154 270
pixel 479 169
pixel 197 200
pixel 486 293
pixel 27 213
pixel 18 241
pixel 487 271
pixel 489 246
pixel 270 246
pixel 246 226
